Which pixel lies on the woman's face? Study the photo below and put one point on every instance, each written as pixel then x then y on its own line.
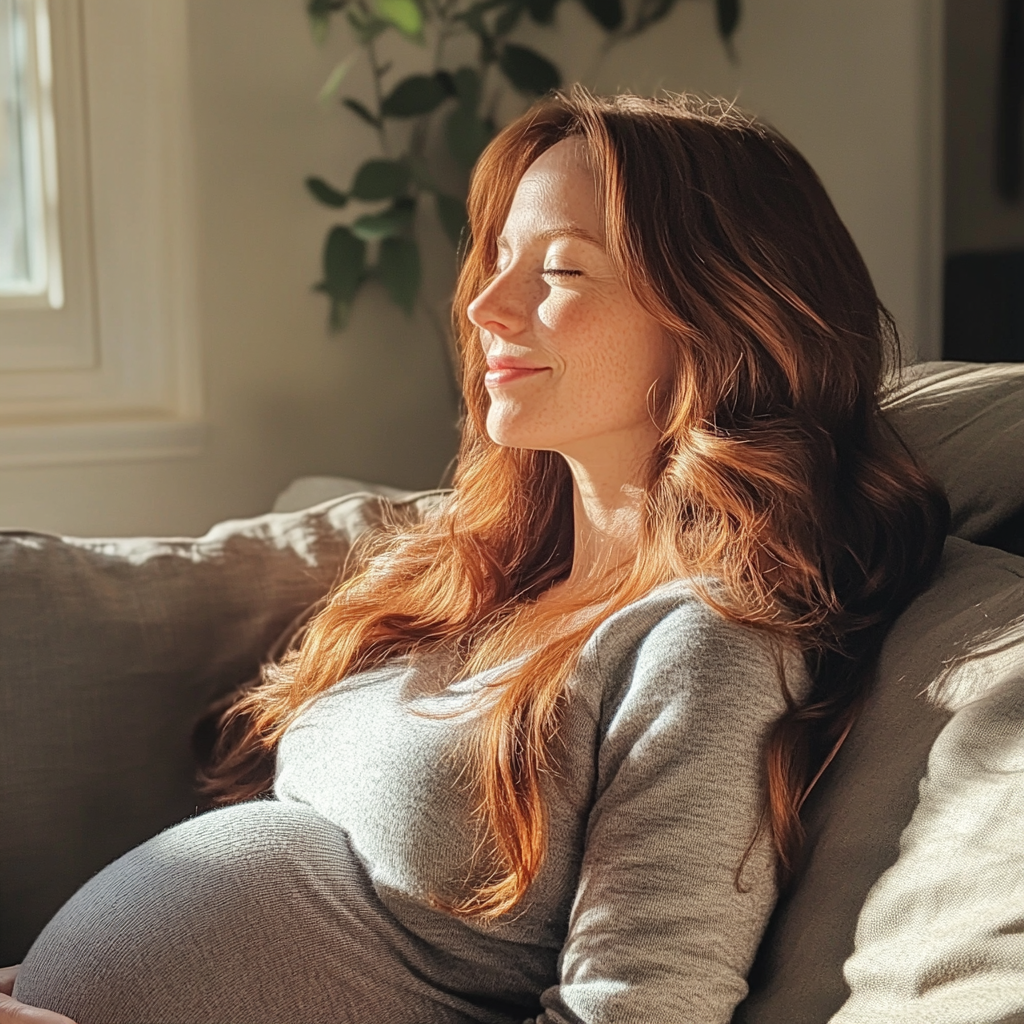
pixel 571 355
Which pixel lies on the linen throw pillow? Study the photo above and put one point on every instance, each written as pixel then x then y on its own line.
pixel 934 920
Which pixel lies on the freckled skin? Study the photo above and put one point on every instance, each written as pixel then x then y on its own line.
pixel 602 349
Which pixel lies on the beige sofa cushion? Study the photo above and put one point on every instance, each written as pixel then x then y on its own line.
pixel 937 915
pixel 966 421
pixel 109 652
pixel 941 935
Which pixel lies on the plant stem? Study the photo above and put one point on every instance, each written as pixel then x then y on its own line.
pixel 448 348
pixel 378 73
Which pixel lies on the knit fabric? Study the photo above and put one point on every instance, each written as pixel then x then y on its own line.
pixel 636 914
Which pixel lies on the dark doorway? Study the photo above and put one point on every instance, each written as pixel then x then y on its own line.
pixel 983 318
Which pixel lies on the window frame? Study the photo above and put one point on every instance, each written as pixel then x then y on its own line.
pixel 115 373
pixel 42 161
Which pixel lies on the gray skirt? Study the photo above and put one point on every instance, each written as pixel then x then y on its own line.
pixel 255 913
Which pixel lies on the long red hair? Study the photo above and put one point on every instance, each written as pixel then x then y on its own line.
pixel 775 474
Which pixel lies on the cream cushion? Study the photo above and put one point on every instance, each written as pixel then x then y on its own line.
pixel 938 913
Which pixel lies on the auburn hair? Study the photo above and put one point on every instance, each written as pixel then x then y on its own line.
pixel 776 474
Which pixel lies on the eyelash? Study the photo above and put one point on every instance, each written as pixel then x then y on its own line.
pixel 562 273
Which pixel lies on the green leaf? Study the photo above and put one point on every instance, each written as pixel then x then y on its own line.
pixel 728 16
pixel 607 13
pixel 326 194
pixel 320 12
pixel 334 79
pixel 366 26
pixel 405 15
pixel 323 8
pixel 380 179
pixel 467 86
pixel 319 27
pixel 542 11
pixel 415 95
pixel 398 267
pixel 466 135
pixel 361 111
pixel 451 212
pixel 372 227
pixel 648 13
pixel 528 71
pixel 446 80
pixel 344 270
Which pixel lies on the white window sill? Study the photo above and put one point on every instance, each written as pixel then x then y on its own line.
pixel 34 443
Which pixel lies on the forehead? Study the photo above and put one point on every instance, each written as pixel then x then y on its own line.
pixel 557 194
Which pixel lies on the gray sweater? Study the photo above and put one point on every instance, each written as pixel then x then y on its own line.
pixel 635 915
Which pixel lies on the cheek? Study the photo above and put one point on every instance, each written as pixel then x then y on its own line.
pixel 564 317
pixel 613 352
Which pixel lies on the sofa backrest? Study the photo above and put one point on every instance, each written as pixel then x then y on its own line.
pixel 910 905
pixel 966 422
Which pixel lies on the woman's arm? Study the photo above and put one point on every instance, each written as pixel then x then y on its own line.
pixel 659 929
pixel 13 1012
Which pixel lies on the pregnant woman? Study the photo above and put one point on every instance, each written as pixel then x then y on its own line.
pixel 541 756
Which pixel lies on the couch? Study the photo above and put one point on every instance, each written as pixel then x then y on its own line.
pixel 909 906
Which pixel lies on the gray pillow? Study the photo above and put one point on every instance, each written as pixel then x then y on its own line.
pixel 959 866
pixel 109 651
pixel 966 422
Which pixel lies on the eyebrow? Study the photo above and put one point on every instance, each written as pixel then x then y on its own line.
pixel 552 234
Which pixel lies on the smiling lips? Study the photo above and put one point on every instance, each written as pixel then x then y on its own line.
pixel 501 371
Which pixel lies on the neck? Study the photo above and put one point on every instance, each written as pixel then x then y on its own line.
pixel 607 502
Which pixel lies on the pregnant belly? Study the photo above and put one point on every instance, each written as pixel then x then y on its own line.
pixel 258 912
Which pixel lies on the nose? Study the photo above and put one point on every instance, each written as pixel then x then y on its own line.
pixel 501 307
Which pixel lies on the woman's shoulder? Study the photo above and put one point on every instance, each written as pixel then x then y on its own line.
pixel 673 642
pixel 669 620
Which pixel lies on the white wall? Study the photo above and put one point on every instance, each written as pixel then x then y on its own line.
pixel 976 217
pixel 856 85
pixel 852 82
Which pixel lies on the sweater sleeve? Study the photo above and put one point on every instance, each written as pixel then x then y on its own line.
pixel 659 930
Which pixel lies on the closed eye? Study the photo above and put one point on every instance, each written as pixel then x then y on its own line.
pixel 557 272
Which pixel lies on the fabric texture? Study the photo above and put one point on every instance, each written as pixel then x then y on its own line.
pixel 307 491
pixel 941 935
pixel 940 911
pixel 634 916
pixel 966 422
pixel 255 913
pixel 110 650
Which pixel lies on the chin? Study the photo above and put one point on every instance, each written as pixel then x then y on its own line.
pixel 512 429
pixel 504 433
pixel 512 435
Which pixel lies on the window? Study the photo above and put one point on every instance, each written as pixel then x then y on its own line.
pixel 30 268
pixel 98 348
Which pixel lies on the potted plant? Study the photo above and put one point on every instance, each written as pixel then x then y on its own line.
pixel 458 102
